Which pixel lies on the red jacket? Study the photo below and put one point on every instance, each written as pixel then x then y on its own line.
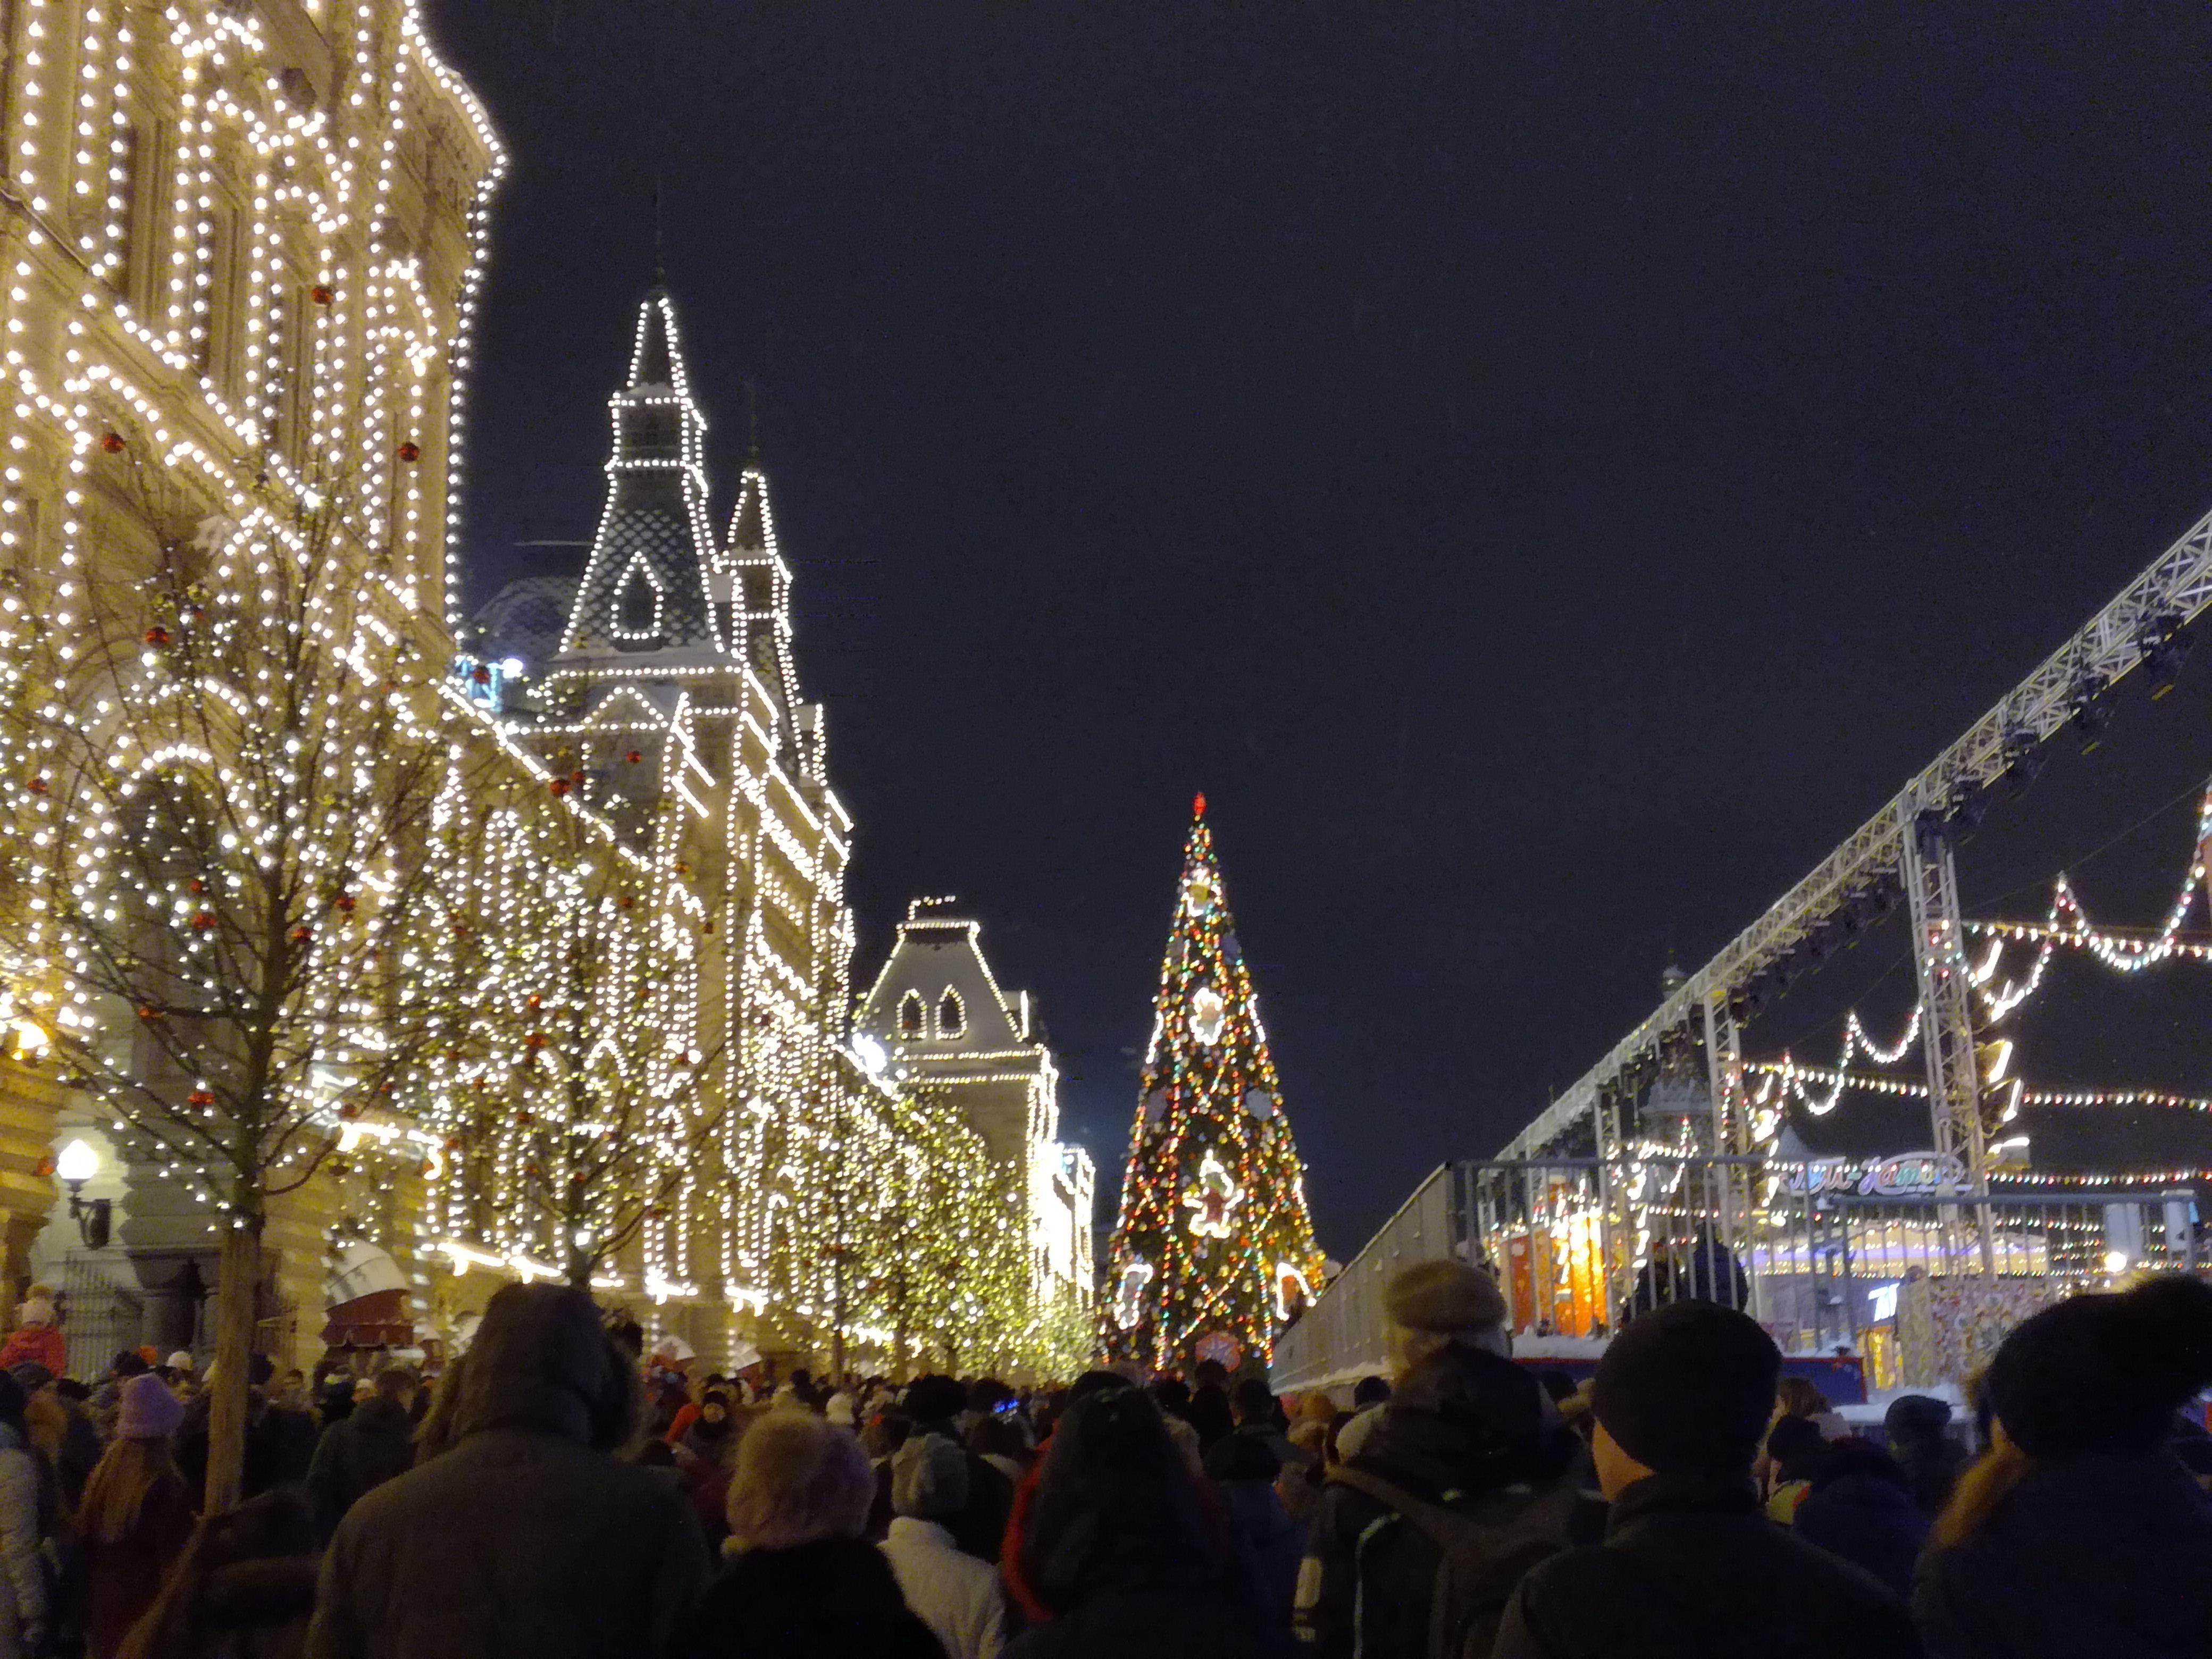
pixel 42 1343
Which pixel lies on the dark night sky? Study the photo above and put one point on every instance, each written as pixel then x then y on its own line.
pixel 1546 473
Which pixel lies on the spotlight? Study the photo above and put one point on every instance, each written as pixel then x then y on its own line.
pixel 2091 716
pixel 2164 647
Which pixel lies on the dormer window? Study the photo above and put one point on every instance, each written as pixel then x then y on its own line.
pixel 952 1017
pixel 637 605
pixel 910 1014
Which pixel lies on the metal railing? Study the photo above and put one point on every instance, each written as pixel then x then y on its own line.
pixel 1817 1252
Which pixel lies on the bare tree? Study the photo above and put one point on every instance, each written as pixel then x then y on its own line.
pixel 584 1093
pixel 240 741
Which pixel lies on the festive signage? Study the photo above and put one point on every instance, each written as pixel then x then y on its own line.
pixel 1906 1174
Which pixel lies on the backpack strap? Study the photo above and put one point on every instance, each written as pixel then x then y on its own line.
pixel 1437 1522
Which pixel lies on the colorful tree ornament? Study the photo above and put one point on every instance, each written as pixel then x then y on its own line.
pixel 1214 1218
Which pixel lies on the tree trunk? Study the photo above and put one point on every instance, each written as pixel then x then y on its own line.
pixel 238 1287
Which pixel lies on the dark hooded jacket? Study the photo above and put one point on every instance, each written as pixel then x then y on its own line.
pixel 2092 1555
pixel 529 1540
pixel 374 1444
pixel 1466 1429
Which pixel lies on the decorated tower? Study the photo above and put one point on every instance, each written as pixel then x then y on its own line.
pixel 1213 1253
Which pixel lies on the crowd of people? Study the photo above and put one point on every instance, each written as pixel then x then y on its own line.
pixel 560 1491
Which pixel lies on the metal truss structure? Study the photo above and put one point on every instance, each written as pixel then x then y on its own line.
pixel 1907 845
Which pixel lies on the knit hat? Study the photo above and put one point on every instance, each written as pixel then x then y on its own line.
pixel 38 1308
pixel 929 1478
pixel 1688 1388
pixel 148 1410
pixel 2104 1374
pixel 1443 1296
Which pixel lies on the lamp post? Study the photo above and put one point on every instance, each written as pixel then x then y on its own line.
pixel 77 1164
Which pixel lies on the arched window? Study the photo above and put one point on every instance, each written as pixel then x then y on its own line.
pixel 952 1017
pixel 910 1014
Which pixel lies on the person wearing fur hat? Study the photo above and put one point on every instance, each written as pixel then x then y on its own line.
pixel 136 1516
pixel 1690 1566
pixel 1469 1443
pixel 38 1335
pixel 529 1539
pixel 801 1578
pixel 2080 1531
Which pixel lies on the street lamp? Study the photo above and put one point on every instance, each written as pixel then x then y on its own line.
pixel 77 1164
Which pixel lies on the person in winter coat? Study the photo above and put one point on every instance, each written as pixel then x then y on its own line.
pixel 1244 1470
pixel 61 1429
pixel 136 1515
pixel 1116 1552
pixel 38 1335
pixel 26 1519
pixel 107 1398
pixel 708 1452
pixel 1915 1427
pixel 529 1540
pixel 2081 1532
pixel 1467 1432
pixel 800 1578
pixel 1689 1568
pixel 374 1443
pixel 935 1403
pixel 1859 1506
pixel 244 1588
pixel 279 1444
pixel 950 1591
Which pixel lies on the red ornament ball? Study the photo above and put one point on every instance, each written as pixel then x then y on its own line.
pixel 202 920
pixel 559 785
pixel 199 1098
pixel 113 443
pixel 481 674
pixel 633 756
pixel 157 634
pixel 320 294
pixel 37 786
pixel 411 453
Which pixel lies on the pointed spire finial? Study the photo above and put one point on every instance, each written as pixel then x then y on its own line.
pixel 659 241
pixel 752 422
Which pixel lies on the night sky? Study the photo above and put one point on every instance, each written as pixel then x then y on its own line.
pixel 1545 474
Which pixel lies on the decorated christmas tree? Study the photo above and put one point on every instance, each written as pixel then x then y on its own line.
pixel 1213 1253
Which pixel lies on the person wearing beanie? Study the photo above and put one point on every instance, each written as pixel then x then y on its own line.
pixel 37 1336
pixel 529 1539
pixel 136 1516
pixel 1469 1455
pixel 2080 1531
pixel 1690 1565
pixel 937 1405
pixel 950 1591
pixel 1425 1307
